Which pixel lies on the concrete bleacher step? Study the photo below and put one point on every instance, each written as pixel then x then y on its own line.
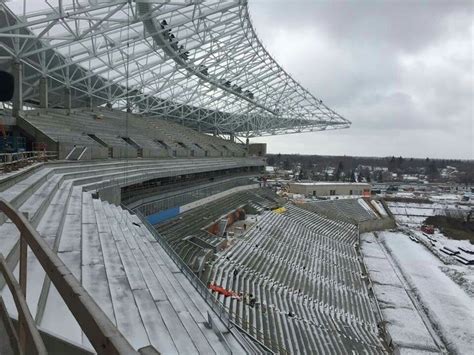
pixel 33 193
pixel 9 237
pixel 144 298
pixel 22 190
pixel 169 294
pixel 334 314
pixel 47 228
pixel 50 229
pixel 76 123
pixel 69 250
pixel 35 190
pixel 116 263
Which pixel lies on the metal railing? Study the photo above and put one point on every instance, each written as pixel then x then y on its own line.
pixel 219 309
pixel 128 178
pixel 244 324
pixel 14 161
pixel 28 336
pixel 202 289
pixel 101 332
pixel 187 195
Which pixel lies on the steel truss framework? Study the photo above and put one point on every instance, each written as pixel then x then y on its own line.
pixel 199 62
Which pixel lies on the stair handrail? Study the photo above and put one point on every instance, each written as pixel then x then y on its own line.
pixel 101 332
pixel 15 161
pixel 217 307
pixel 27 335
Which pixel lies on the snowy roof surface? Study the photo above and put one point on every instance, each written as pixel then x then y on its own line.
pixel 328 183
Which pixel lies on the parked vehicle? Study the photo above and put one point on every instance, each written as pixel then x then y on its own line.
pixel 428 229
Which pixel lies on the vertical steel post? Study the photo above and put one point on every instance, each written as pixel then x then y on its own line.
pixel 23 276
pixel 17 102
pixel 43 92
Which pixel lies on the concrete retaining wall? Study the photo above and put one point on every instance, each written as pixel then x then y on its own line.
pixel 376 225
pixel 162 216
pixel 124 152
pixel 38 136
pixel 112 194
pixel 219 195
pixel 149 153
pixel 91 153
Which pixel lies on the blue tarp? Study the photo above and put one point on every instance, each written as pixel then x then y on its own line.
pixel 163 215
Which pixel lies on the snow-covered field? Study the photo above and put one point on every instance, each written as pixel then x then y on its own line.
pixel 412 216
pixel 426 296
pixel 449 308
pixel 462 274
pixel 403 322
pixel 428 209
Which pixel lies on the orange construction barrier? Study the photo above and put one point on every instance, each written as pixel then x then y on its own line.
pixel 221 290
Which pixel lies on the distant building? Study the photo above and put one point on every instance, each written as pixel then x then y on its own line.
pixel 448 172
pixel 330 188
pixel 270 169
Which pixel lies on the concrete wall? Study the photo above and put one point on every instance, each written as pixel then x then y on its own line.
pixel 37 135
pixel 379 224
pixel 376 225
pixel 324 189
pixel 161 216
pixel 112 194
pixel 64 149
pixel 96 153
pixel 92 152
pixel 123 152
pixel 198 152
pixel 180 152
pixel 219 195
pixel 152 153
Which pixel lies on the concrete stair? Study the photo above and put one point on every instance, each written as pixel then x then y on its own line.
pixel 77 126
pixel 307 266
pixel 113 255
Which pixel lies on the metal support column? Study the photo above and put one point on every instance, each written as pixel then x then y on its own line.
pixel 17 101
pixel 67 99
pixel 43 92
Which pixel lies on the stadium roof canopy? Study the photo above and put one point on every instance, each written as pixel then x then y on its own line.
pixel 199 62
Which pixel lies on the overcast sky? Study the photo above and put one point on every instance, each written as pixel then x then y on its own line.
pixel 401 71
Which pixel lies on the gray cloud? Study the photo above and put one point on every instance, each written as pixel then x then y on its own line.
pixel 401 71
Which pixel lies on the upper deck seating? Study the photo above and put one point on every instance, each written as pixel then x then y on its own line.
pixel 127 135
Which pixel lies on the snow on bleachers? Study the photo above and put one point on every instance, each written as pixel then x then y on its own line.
pixel 111 253
pixel 305 264
pixel 352 210
pixel 191 223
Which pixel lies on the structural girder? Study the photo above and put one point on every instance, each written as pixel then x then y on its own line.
pixel 198 62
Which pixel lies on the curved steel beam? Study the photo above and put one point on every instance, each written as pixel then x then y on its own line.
pixel 214 72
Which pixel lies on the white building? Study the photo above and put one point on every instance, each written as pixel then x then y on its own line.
pixel 330 188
